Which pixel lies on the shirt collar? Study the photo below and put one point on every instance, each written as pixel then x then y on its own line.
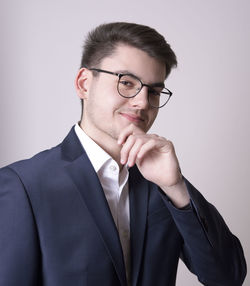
pixel 97 156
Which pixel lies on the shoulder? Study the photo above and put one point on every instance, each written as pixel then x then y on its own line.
pixel 46 167
pixel 24 172
pixel 37 161
pixel 45 161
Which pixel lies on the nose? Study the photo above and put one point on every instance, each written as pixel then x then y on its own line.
pixel 141 99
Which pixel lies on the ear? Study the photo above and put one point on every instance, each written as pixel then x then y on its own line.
pixel 82 83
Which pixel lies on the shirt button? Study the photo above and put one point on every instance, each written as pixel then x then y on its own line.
pixel 112 168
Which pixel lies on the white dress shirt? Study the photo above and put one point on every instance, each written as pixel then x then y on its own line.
pixel 115 186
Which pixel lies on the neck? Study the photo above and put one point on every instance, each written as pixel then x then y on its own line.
pixel 106 142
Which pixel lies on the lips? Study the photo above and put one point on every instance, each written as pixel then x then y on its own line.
pixel 132 117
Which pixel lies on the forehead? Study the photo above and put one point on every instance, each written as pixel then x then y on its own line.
pixel 135 61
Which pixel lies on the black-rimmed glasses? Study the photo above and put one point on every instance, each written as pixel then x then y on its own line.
pixel 129 86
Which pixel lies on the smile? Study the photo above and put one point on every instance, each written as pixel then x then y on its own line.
pixel 132 117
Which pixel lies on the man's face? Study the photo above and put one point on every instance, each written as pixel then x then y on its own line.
pixel 106 113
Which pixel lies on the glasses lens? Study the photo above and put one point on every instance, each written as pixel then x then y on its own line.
pixel 158 97
pixel 128 86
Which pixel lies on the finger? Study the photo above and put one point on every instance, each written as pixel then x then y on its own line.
pixel 126 132
pixel 166 146
pixel 126 149
pixel 162 145
pixel 145 148
pixel 134 151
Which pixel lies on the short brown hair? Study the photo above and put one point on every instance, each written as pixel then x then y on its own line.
pixel 102 41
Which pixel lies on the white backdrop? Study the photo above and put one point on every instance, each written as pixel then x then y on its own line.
pixel 207 117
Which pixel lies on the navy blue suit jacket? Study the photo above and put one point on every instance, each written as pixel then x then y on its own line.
pixel 56 228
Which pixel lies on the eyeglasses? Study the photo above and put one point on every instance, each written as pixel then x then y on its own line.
pixel 129 86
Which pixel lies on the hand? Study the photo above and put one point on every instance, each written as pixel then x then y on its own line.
pixel 154 156
pixel 156 159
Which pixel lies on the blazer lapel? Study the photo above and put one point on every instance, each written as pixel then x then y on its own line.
pixel 84 177
pixel 138 196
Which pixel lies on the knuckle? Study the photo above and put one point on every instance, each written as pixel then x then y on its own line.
pixel 131 138
pixel 139 141
pixel 152 141
pixel 170 143
pixel 155 136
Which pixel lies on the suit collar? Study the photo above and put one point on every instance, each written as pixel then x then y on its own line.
pixel 96 154
pixel 71 146
pixel 85 178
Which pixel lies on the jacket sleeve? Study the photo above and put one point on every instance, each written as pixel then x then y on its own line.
pixel 19 247
pixel 210 250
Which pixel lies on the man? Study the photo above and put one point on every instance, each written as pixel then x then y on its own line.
pixel 109 205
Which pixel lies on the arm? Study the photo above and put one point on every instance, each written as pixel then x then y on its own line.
pixel 19 247
pixel 210 250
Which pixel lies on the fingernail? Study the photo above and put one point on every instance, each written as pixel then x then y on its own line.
pixel 130 164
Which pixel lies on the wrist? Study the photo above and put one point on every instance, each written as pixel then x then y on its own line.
pixel 177 193
pixel 172 183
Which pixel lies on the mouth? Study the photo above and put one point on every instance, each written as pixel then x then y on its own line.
pixel 132 117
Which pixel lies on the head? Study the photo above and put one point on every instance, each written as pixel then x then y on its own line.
pixel 117 47
pixel 103 40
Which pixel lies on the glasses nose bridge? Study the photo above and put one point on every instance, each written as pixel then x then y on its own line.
pixel 146 85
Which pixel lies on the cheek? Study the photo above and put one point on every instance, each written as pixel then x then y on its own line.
pixel 113 101
pixel 106 102
pixel 108 93
pixel 154 114
pixel 152 117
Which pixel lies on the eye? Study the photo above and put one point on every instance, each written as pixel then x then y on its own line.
pixel 127 83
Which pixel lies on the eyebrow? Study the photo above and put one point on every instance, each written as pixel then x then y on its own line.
pixel 156 84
